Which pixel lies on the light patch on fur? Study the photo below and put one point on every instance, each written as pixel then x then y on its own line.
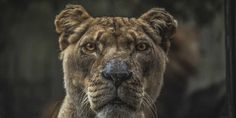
pixel 116 112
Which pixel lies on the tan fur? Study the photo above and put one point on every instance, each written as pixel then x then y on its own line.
pixel 87 93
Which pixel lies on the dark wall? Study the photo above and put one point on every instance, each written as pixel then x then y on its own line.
pixel 30 71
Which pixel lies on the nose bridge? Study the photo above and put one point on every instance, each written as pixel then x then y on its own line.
pixel 116 66
pixel 117 53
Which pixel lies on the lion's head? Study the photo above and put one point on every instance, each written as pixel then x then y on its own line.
pixel 113 66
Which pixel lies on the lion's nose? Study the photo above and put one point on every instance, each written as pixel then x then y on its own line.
pixel 116 71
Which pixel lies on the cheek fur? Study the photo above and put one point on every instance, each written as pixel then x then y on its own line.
pixel 77 67
pixel 147 62
pixel 85 63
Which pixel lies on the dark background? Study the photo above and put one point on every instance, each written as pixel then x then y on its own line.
pixel 31 75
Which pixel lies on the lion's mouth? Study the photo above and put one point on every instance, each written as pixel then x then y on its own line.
pixel 117 103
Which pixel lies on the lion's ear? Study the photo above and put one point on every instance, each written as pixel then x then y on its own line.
pixel 161 22
pixel 66 21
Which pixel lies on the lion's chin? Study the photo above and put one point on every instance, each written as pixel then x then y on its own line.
pixel 116 111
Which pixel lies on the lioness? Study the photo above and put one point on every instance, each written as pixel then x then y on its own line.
pixel 113 66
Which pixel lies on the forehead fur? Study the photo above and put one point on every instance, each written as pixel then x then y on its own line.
pixel 75 20
pixel 117 26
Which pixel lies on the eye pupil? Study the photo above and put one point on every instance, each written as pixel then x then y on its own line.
pixel 90 46
pixel 142 46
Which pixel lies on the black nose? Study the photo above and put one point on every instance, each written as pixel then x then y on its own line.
pixel 116 71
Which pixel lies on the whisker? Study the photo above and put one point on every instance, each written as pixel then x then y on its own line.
pixel 150 104
pixel 84 104
pixel 149 107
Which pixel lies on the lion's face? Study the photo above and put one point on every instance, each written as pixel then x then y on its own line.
pixel 118 63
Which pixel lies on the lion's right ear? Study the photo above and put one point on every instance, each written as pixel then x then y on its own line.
pixel 69 19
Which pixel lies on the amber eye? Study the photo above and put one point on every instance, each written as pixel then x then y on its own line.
pixel 142 46
pixel 90 47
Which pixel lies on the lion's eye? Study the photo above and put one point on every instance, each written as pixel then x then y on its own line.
pixel 142 46
pixel 90 47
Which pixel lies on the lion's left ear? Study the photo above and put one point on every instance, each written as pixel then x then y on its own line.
pixel 161 22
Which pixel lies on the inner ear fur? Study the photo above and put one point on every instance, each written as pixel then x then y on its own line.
pixel 73 16
pixel 162 23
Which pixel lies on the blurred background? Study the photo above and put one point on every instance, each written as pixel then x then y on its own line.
pixel 31 80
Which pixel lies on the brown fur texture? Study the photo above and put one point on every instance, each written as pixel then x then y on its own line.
pixel 87 44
